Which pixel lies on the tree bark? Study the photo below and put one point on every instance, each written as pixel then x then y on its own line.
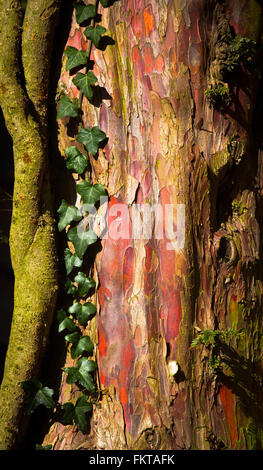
pixel 168 144
pixel 24 102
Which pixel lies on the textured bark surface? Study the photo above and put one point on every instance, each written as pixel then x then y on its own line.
pixel 168 145
pixel 32 235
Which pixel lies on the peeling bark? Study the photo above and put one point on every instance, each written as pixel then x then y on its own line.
pixel 168 145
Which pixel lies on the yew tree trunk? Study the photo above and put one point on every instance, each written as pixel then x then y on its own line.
pixel 169 143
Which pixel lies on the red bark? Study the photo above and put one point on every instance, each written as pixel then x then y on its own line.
pixel 167 145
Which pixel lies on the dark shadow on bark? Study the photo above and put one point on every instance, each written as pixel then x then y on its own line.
pixel 89 66
pixel 99 94
pixel 245 380
pixel 104 42
pixel 73 124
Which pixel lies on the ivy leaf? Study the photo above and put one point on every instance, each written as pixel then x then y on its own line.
pixel 40 447
pixel 91 138
pixel 81 239
pixel 81 373
pixel 77 413
pixel 73 337
pixel 71 289
pixel 86 366
pixel 84 345
pixel 75 160
pixel 67 108
pixel 94 34
pixel 83 82
pixel 84 12
pixel 84 283
pixel 67 215
pixel 82 407
pixel 65 323
pixel 75 57
pixel 71 261
pixel 90 194
pixel 68 416
pixel 73 374
pixel 83 312
pixel 107 3
pixel 80 344
pixel 37 395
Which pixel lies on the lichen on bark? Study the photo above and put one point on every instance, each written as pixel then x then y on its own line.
pixel 23 99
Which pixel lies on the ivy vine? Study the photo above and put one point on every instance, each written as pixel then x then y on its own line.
pixel 79 285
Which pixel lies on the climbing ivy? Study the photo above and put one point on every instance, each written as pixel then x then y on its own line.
pixel 72 322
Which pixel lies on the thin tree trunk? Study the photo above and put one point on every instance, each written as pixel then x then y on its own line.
pixel 24 99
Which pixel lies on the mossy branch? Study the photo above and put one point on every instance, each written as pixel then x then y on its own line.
pixel 32 234
pixel 38 33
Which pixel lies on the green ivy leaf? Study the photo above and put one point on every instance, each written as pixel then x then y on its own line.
pixel 75 57
pixel 73 337
pixel 86 367
pixel 67 108
pixel 82 407
pixel 71 261
pixel 91 138
pixel 81 239
pixel 77 413
pixel 81 373
pixel 40 447
pixel 107 3
pixel 84 345
pixel 94 34
pixel 75 160
pixel 84 12
pixel 73 374
pixel 67 214
pixel 68 416
pixel 84 283
pixel 83 82
pixel 71 289
pixel 37 395
pixel 83 312
pixel 90 194
pixel 80 344
pixel 65 323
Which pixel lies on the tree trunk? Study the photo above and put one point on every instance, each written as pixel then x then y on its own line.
pixel 24 85
pixel 169 143
pixel 179 328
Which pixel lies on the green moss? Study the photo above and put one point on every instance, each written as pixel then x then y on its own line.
pixel 218 96
pixel 254 18
pixel 219 161
pixel 232 53
pixel 32 316
pixel 234 314
pixel 238 208
pixel 32 234
pixel 233 152
pixel 253 436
